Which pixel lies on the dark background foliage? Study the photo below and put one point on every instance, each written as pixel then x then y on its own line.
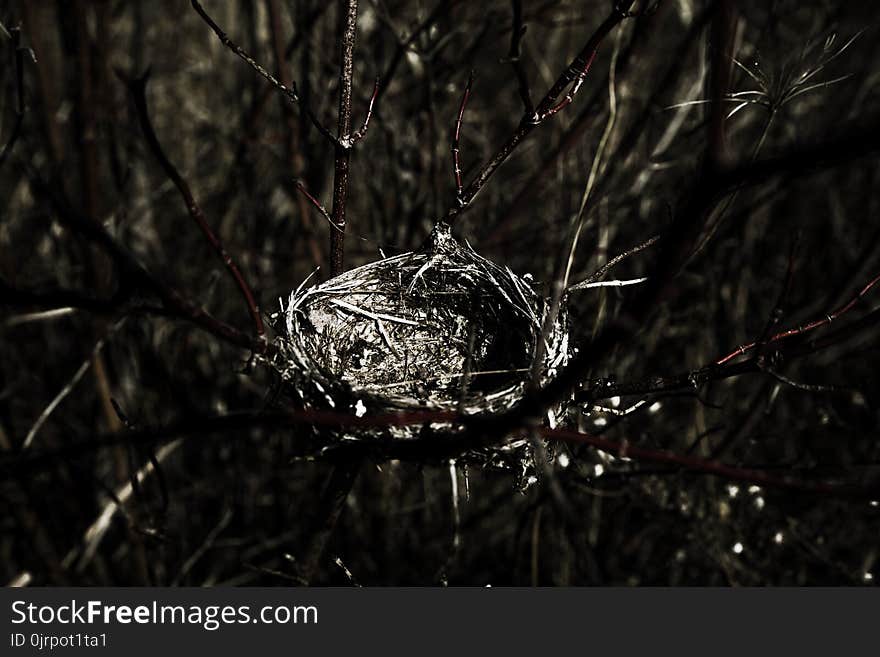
pixel 228 504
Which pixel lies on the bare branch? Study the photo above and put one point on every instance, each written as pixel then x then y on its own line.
pixel 343 132
pixel 290 92
pixel 572 76
pixel 517 32
pixel 138 88
pixel 362 132
pixel 590 280
pixel 811 326
pixel 456 138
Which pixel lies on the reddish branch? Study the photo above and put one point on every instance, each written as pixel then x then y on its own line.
pixel 800 330
pixel 315 202
pixel 138 89
pixel 573 134
pixel 344 140
pixel 133 276
pixel 568 83
pixel 342 159
pixel 434 445
pixel 360 133
pixel 694 464
pixel 456 138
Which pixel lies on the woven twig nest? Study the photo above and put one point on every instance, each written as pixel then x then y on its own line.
pixel 441 328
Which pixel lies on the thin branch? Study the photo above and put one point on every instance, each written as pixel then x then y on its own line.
pixel 517 32
pixel 315 202
pixel 290 92
pixel 615 283
pixel 435 444
pixel 694 464
pixel 824 321
pixel 133 273
pixel 405 45
pixel 330 505
pixel 68 388
pixel 604 269
pixel 573 76
pixel 138 88
pixel 456 139
pixel 362 132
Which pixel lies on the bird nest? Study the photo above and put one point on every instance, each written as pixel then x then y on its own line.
pixel 441 328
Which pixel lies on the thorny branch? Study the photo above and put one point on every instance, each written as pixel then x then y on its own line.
pixel 345 138
pixel 342 154
pixel 573 76
pixel 290 92
pixel 456 139
pixel 800 330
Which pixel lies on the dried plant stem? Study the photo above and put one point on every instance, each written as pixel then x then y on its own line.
pixel 800 330
pixel 590 281
pixel 68 388
pixel 597 161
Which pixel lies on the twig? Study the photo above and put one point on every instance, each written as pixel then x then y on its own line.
pixel 456 138
pixel 573 76
pixel 67 389
pixel 362 132
pixel 315 202
pixel 96 531
pixel 290 92
pixel 604 269
pixel 330 505
pixel 405 44
pixel 138 88
pixel 209 541
pixel 597 162
pixel 615 283
pixel 517 32
pixel 694 464
pixel 41 316
pixel 827 319
pixel 435 445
